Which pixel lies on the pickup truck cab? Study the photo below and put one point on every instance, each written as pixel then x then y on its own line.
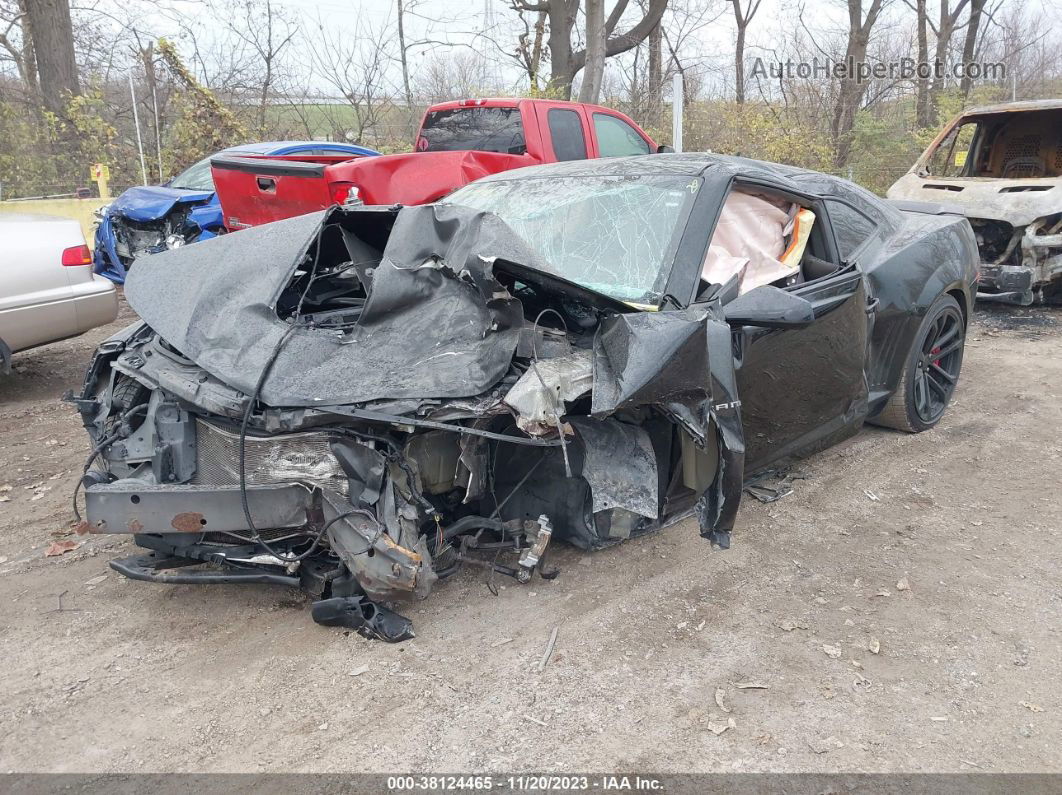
pixel 457 142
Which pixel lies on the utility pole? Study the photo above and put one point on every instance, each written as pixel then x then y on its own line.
pixel 136 123
pixel 677 100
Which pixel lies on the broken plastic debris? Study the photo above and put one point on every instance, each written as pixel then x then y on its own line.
pixel 359 670
pixel 831 651
pixel 1031 707
pixel 750 685
pixel 874 645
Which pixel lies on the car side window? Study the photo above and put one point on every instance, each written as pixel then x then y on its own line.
pixel 566 129
pixel 851 228
pixel 616 138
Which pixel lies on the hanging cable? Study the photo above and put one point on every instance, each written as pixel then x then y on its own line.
pixel 558 406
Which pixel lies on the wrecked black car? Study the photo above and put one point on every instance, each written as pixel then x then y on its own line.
pixel 360 402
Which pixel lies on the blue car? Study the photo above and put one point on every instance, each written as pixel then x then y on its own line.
pixel 150 219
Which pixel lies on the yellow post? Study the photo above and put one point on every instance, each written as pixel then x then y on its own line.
pixel 102 173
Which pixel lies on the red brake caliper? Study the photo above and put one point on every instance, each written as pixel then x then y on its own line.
pixel 936 350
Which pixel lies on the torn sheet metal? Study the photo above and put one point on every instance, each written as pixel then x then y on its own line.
pixel 540 394
pixel 436 322
pixel 620 466
pixel 651 358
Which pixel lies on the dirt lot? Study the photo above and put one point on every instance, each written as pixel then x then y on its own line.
pixel 901 610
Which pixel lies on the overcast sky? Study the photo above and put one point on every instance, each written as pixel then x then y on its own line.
pixel 463 22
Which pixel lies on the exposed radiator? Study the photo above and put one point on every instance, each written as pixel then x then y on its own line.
pixel 288 458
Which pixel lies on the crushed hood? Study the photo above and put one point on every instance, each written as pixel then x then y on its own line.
pixel 1019 202
pixel 436 323
pixel 150 203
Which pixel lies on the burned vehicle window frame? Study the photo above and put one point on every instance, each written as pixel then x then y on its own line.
pixel 414 391
pixel 1007 186
pixel 458 129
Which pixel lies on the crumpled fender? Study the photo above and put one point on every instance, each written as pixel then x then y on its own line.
pixel 105 260
pixel 207 218
pixel 682 363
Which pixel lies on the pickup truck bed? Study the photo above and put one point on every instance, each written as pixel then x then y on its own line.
pixel 458 142
pixel 256 190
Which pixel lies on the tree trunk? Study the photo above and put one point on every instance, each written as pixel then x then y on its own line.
pixel 945 31
pixel 403 57
pixel 969 45
pixel 53 45
pixel 851 90
pixel 565 62
pixel 739 62
pixel 28 64
pixel 656 76
pixel 535 62
pixel 922 83
pixel 562 70
pixel 594 69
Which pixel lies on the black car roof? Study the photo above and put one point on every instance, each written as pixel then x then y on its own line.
pixel 679 164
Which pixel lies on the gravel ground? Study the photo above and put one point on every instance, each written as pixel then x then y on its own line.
pixel 899 611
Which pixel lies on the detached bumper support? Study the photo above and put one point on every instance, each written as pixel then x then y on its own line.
pixel 130 507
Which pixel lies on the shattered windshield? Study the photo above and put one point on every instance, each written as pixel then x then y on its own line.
pixel 615 235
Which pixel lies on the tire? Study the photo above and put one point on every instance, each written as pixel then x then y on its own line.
pixel 127 393
pixel 930 372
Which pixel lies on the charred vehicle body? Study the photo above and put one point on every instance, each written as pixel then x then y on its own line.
pixel 1003 166
pixel 361 401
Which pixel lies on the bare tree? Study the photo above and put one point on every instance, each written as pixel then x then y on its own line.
pixel 973 26
pixel 742 19
pixel 944 31
pixel 403 56
pixel 265 31
pixel 566 60
pixel 851 90
pixel 530 46
pixel 355 64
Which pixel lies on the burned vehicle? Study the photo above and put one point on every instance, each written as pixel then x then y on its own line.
pixel 1003 166
pixel 361 401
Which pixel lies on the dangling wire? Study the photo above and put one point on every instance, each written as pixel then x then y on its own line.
pixel 558 408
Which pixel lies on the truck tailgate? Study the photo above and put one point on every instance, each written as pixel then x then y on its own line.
pixel 256 190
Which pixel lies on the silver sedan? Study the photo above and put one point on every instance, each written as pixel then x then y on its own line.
pixel 47 289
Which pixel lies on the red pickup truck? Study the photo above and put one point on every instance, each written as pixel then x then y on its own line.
pixel 458 142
